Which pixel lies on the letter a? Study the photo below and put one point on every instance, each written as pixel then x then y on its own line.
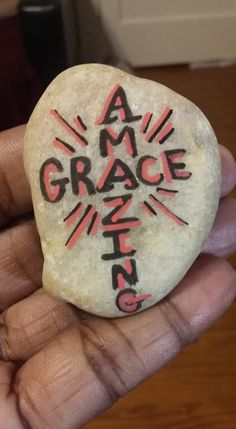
pixel 116 101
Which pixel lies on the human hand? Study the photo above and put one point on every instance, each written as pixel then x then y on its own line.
pixel 59 366
pixel 8 8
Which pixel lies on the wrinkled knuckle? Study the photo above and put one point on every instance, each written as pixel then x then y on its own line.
pixel 102 363
pixel 14 340
pixel 19 258
pixel 179 326
pixel 28 408
pixel 103 358
pixel 6 350
pixel 4 217
pixel 6 199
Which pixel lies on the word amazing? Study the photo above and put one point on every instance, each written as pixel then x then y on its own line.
pixel 117 226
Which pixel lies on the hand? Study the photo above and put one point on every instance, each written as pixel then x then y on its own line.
pixel 59 367
pixel 8 8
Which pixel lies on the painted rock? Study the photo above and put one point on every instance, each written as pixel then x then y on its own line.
pixel 125 179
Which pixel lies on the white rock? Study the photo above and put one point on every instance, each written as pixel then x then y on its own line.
pixel 163 177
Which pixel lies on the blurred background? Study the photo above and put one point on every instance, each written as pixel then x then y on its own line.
pixel 189 46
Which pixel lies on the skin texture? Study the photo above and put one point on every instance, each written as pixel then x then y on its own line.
pixel 59 367
pixel 8 8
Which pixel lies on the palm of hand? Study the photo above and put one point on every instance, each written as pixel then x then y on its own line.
pixel 59 366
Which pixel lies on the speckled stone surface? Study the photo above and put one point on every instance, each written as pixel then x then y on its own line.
pixel 125 178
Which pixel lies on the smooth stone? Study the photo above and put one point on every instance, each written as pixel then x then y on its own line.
pixel 125 177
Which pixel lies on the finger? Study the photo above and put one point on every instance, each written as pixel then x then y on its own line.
pixel 34 314
pixel 228 171
pixel 15 198
pixel 83 371
pixel 21 258
pixel 18 287
pixel 222 239
pixel 9 416
pixel 21 263
pixel 39 319
pixel 19 284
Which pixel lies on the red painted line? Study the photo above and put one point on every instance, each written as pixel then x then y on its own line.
pixel 67 127
pixel 166 192
pixel 123 246
pixel 127 225
pixel 106 173
pixel 74 216
pixel 75 237
pixel 114 135
pixel 128 266
pixel 142 298
pixel 145 122
pixel 63 148
pixel 128 144
pixel 101 118
pixel 167 172
pixel 144 171
pixel 167 212
pixel 120 277
pixel 95 227
pixel 183 174
pixel 158 123
pixel 123 209
pixel 164 132
pixel 121 281
pixel 78 125
pixel 149 212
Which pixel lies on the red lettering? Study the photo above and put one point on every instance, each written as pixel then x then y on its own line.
pixel 171 168
pixel 116 102
pixel 142 171
pixel 128 302
pixel 52 190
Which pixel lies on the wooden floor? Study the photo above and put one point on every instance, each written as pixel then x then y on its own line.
pixel 198 389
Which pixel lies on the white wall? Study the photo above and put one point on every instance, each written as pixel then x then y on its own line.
pixel 152 32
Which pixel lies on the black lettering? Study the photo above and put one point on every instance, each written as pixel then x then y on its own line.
pixel 80 168
pixel 127 302
pixel 120 97
pixel 143 175
pixel 174 167
pixel 106 138
pixel 121 204
pixel 113 176
pixel 52 191
pixel 118 243
pixel 130 278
